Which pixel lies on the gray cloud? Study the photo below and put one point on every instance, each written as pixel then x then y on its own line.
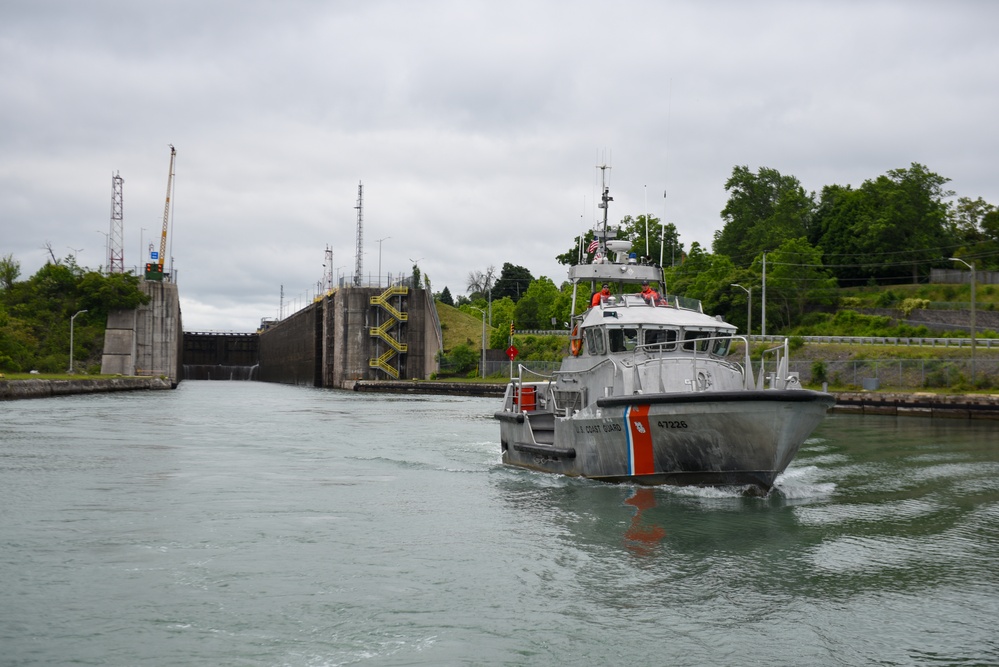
pixel 474 126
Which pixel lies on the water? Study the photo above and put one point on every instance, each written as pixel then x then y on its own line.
pixel 252 524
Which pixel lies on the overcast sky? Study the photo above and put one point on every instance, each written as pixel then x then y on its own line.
pixel 475 127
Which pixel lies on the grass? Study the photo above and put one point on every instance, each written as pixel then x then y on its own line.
pixel 459 327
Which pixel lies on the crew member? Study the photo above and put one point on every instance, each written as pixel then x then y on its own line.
pixel 601 296
pixel 650 295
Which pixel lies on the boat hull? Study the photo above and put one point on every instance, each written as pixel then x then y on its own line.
pixel 704 439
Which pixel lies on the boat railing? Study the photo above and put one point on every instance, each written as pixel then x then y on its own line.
pixel 518 399
pixel 635 299
pixel 779 378
pixel 658 352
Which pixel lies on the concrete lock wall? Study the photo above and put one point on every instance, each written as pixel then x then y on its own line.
pixel 146 341
pixel 331 340
pixel 287 351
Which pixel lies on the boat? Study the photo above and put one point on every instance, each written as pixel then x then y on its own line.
pixel 648 394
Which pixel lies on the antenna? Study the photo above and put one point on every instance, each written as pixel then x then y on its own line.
pixel 360 234
pixel 605 198
pixel 116 238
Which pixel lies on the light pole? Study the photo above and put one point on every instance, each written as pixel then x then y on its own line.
pixel 749 307
pixel 973 277
pixel 380 260
pixel 107 248
pixel 416 263
pixel 483 371
pixel 72 321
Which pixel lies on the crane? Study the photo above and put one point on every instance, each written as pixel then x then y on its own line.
pixel 154 271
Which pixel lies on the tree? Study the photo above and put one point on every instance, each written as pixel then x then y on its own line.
pixel 895 224
pixel 537 306
pixel 513 282
pixel 445 297
pixel 763 210
pixel 796 280
pixel 479 282
pixel 35 313
pixel 10 271
pixel 968 218
pixel 571 256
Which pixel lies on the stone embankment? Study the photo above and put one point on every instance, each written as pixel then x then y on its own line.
pixel 428 387
pixel 919 404
pixel 17 389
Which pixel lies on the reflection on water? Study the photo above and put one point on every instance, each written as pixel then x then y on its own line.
pixel 642 535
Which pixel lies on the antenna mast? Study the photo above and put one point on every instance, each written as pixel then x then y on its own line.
pixel 116 238
pixel 605 198
pixel 360 235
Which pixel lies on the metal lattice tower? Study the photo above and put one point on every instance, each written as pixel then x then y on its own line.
pixel 328 271
pixel 358 264
pixel 116 237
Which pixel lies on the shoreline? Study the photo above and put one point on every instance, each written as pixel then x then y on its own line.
pixel 900 404
pixel 12 390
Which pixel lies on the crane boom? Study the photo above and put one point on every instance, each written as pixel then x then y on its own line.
pixel 154 271
pixel 166 207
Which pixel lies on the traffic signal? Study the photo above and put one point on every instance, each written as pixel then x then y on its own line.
pixel 511 328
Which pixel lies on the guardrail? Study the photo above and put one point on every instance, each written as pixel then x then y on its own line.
pixel 987 343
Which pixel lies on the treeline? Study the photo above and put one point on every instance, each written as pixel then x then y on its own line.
pixel 35 314
pixel 891 230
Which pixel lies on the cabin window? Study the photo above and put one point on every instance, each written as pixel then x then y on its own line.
pixel 661 339
pixel 623 340
pixel 595 341
pixel 721 346
pixel 694 338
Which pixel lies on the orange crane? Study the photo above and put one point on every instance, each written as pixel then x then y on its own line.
pixel 154 270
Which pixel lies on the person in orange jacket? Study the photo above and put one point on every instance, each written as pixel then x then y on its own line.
pixel 650 295
pixel 602 295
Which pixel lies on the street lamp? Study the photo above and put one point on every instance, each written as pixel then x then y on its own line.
pixel 749 307
pixel 380 260
pixel 416 263
pixel 107 247
pixel 483 372
pixel 72 320
pixel 972 267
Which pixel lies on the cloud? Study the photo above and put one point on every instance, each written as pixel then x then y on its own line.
pixel 475 127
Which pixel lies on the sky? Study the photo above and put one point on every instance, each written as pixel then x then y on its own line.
pixel 475 127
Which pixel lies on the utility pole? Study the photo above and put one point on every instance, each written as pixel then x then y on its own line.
pixel 763 314
pixel 973 281
pixel 749 307
pixel 72 321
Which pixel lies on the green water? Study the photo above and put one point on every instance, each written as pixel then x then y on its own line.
pixel 244 523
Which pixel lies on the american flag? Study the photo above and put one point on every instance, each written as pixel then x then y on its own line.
pixel 593 246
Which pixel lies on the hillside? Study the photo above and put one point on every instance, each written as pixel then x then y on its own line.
pixel 458 327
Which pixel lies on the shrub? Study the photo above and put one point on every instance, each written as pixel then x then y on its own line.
pixel 819 372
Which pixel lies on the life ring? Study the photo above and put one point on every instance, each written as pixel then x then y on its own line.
pixel 575 344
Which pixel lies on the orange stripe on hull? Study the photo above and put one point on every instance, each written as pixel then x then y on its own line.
pixel 641 460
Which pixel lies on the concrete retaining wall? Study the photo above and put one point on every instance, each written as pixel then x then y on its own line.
pixel 953 406
pixel 288 349
pixel 148 340
pixel 17 389
pixel 329 343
